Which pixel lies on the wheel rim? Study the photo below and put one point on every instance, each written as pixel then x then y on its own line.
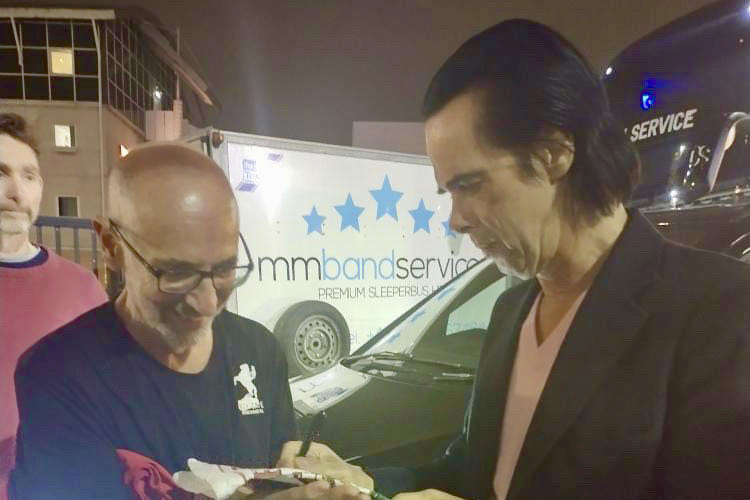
pixel 316 343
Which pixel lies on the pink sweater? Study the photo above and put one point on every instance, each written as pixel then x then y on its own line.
pixel 35 301
pixel 531 368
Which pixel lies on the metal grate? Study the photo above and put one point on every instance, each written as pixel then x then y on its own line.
pixel 76 225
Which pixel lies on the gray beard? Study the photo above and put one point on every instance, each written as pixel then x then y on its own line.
pixel 176 341
pixel 14 225
pixel 180 342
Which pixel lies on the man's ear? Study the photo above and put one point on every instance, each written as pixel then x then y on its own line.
pixel 110 246
pixel 555 150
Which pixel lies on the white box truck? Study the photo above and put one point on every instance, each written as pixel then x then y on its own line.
pixel 343 240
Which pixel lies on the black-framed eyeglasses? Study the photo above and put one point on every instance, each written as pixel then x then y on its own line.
pixel 184 281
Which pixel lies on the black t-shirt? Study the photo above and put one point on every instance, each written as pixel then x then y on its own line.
pixel 89 389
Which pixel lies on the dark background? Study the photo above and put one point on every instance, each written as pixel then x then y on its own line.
pixel 308 69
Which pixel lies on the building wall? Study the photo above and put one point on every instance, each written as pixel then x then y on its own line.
pixel 117 131
pixel 78 172
pixel 74 173
pixel 401 137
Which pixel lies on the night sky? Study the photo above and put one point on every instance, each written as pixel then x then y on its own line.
pixel 308 69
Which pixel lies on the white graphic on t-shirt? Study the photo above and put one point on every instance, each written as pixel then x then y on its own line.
pixel 249 404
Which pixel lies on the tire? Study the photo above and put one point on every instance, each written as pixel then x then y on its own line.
pixel 314 336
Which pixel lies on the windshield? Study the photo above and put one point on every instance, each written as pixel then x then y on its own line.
pixel 449 327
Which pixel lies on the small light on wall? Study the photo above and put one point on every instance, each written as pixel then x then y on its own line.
pixel 123 151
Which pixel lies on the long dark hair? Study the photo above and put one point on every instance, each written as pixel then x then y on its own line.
pixel 531 78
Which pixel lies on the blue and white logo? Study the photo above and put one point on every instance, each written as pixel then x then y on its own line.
pixel 250 176
pixel 254 163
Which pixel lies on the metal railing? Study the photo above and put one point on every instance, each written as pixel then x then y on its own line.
pixel 58 224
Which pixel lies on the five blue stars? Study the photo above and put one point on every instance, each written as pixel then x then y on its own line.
pixel 387 199
pixel 314 221
pixel 421 217
pixel 349 213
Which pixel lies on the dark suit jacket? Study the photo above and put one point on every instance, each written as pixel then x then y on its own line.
pixel 649 396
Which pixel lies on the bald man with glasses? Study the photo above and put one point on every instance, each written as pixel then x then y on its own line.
pixel 164 371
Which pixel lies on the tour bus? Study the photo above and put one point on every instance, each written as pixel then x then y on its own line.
pixel 680 93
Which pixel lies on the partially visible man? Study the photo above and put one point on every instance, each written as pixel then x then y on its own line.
pixel 165 371
pixel 620 369
pixel 39 291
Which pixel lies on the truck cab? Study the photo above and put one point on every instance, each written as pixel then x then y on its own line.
pixel 680 93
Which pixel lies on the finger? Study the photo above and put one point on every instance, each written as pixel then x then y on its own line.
pixel 288 452
pixel 319 450
pixel 316 489
pixel 311 491
pixel 430 494
pixel 344 492
pixel 335 470
pixel 441 495
pixel 358 477
pixel 416 495
pixel 309 463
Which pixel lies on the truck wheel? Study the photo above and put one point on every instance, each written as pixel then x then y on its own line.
pixel 314 336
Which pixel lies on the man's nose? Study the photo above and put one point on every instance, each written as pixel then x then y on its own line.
pixel 459 222
pixel 203 298
pixel 11 189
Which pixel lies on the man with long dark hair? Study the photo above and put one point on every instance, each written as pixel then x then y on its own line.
pixel 620 369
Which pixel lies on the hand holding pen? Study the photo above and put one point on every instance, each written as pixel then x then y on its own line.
pixel 313 432
pixel 319 458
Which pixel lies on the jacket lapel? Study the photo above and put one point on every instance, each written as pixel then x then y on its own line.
pixel 608 320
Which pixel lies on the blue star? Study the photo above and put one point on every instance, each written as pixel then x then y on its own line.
pixel 314 221
pixel 387 199
pixel 448 231
pixel 349 213
pixel 421 217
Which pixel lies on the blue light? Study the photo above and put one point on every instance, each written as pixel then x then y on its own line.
pixel 647 100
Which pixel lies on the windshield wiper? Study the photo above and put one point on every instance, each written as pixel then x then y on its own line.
pixel 408 358
pixel 454 377
pixel 384 367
